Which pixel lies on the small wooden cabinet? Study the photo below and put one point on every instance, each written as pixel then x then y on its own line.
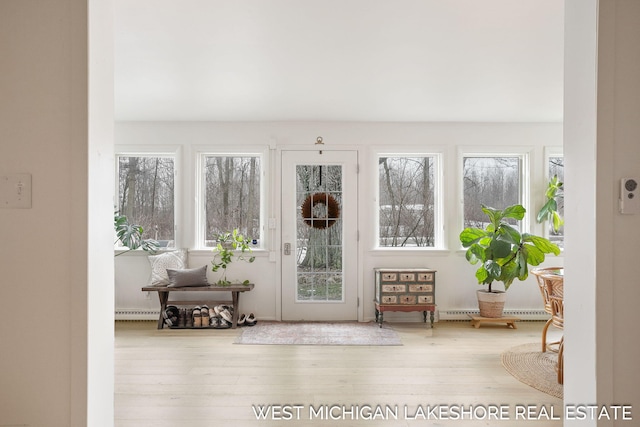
pixel 405 289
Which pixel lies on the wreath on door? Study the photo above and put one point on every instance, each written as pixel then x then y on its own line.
pixel 331 213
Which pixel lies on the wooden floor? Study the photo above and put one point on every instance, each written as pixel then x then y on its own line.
pixel 200 378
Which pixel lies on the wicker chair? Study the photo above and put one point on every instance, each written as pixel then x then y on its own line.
pixel 540 273
pixel 555 289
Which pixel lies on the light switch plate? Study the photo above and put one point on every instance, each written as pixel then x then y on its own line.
pixel 15 191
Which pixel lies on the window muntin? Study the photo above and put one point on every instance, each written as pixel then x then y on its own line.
pixel 146 194
pixel 232 195
pixel 491 180
pixel 407 206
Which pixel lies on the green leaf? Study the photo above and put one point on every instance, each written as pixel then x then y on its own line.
pixel 494 215
pixel 471 235
pixel 547 210
pixel 515 212
pixel 534 256
pixel 541 243
pixel 509 273
pixel 493 269
pixel 482 275
pixel 557 222
pixel 474 254
pixel 500 248
pixel 510 234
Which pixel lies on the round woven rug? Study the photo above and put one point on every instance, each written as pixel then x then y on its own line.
pixel 534 368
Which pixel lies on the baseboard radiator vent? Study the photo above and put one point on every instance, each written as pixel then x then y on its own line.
pixel 136 315
pixel 534 315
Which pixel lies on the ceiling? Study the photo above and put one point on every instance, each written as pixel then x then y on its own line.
pixel 339 60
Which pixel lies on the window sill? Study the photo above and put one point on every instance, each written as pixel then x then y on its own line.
pixel 409 251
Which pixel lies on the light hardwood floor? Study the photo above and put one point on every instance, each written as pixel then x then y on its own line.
pixel 200 378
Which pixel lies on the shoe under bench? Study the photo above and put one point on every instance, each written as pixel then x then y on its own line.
pixel 164 291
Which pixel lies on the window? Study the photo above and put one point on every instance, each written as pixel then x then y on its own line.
pixel 556 168
pixel 407 207
pixel 231 198
pixel 494 181
pixel 146 185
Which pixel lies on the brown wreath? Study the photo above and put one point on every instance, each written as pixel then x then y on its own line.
pixel 333 210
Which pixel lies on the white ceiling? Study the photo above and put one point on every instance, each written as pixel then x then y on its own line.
pixel 346 60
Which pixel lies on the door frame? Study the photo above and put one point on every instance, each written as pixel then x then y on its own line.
pixel 277 228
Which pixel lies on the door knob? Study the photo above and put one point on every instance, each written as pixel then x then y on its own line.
pixel 287 248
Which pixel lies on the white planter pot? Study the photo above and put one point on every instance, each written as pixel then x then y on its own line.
pixel 491 304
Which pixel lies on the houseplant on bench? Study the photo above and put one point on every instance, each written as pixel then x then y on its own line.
pixel 231 246
pixel 504 255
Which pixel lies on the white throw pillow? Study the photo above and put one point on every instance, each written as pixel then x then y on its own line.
pixel 175 260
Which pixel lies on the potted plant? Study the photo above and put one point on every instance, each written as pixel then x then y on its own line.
pixel 130 236
pixel 231 246
pixel 504 255
pixel 549 211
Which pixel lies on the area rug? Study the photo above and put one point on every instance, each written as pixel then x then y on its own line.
pixel 319 333
pixel 534 368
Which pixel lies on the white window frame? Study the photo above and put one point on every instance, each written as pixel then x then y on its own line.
pixel 523 153
pixel 438 188
pixel 200 196
pixel 172 151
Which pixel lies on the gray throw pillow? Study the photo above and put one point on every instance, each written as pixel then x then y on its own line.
pixel 187 277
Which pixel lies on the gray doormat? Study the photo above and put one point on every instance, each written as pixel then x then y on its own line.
pixel 319 333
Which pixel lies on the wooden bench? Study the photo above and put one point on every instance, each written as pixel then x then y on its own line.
pixel 164 291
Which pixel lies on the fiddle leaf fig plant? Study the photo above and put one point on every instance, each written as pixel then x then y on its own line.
pixel 549 211
pixel 130 235
pixel 231 247
pixel 503 252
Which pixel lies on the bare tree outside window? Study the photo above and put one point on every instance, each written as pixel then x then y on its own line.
pixel 232 196
pixel 406 201
pixel 490 181
pixel 146 195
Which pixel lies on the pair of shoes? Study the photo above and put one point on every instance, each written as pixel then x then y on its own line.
pixel 251 320
pixel 225 312
pixel 197 317
pixel 171 314
pixel 245 320
pixel 218 322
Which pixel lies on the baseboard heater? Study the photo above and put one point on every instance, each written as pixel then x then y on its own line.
pixel 132 314
pixel 522 314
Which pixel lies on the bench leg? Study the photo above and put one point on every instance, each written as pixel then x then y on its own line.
pixel 235 297
pixel 164 297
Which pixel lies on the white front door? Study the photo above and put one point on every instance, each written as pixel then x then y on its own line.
pixel 319 235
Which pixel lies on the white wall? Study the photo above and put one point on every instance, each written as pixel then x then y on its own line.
pixel 455 281
pixel 43 250
pixel 602 125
